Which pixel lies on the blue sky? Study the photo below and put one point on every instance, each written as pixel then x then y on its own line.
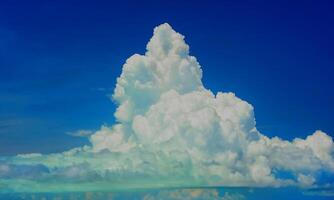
pixel 59 62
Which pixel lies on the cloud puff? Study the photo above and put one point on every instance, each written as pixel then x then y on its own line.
pixel 172 131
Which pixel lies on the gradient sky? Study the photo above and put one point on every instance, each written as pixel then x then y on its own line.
pixel 59 62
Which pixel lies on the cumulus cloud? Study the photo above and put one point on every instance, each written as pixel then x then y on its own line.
pixel 172 131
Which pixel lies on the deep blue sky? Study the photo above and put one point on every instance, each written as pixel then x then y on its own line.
pixel 59 62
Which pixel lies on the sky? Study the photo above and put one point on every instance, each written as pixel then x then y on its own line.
pixel 59 62
pixel 94 101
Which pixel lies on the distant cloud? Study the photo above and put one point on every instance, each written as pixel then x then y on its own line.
pixel 193 194
pixel 102 89
pixel 172 131
pixel 80 133
pixel 321 191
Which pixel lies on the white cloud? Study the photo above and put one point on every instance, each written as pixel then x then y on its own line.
pixel 172 129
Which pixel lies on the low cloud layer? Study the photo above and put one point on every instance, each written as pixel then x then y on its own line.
pixel 166 194
pixel 172 131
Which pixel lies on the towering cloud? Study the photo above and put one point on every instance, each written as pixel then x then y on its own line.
pixel 172 131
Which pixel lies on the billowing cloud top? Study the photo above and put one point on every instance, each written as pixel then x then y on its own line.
pixel 172 131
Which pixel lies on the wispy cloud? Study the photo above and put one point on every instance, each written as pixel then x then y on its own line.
pixel 6 123
pixel 80 133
